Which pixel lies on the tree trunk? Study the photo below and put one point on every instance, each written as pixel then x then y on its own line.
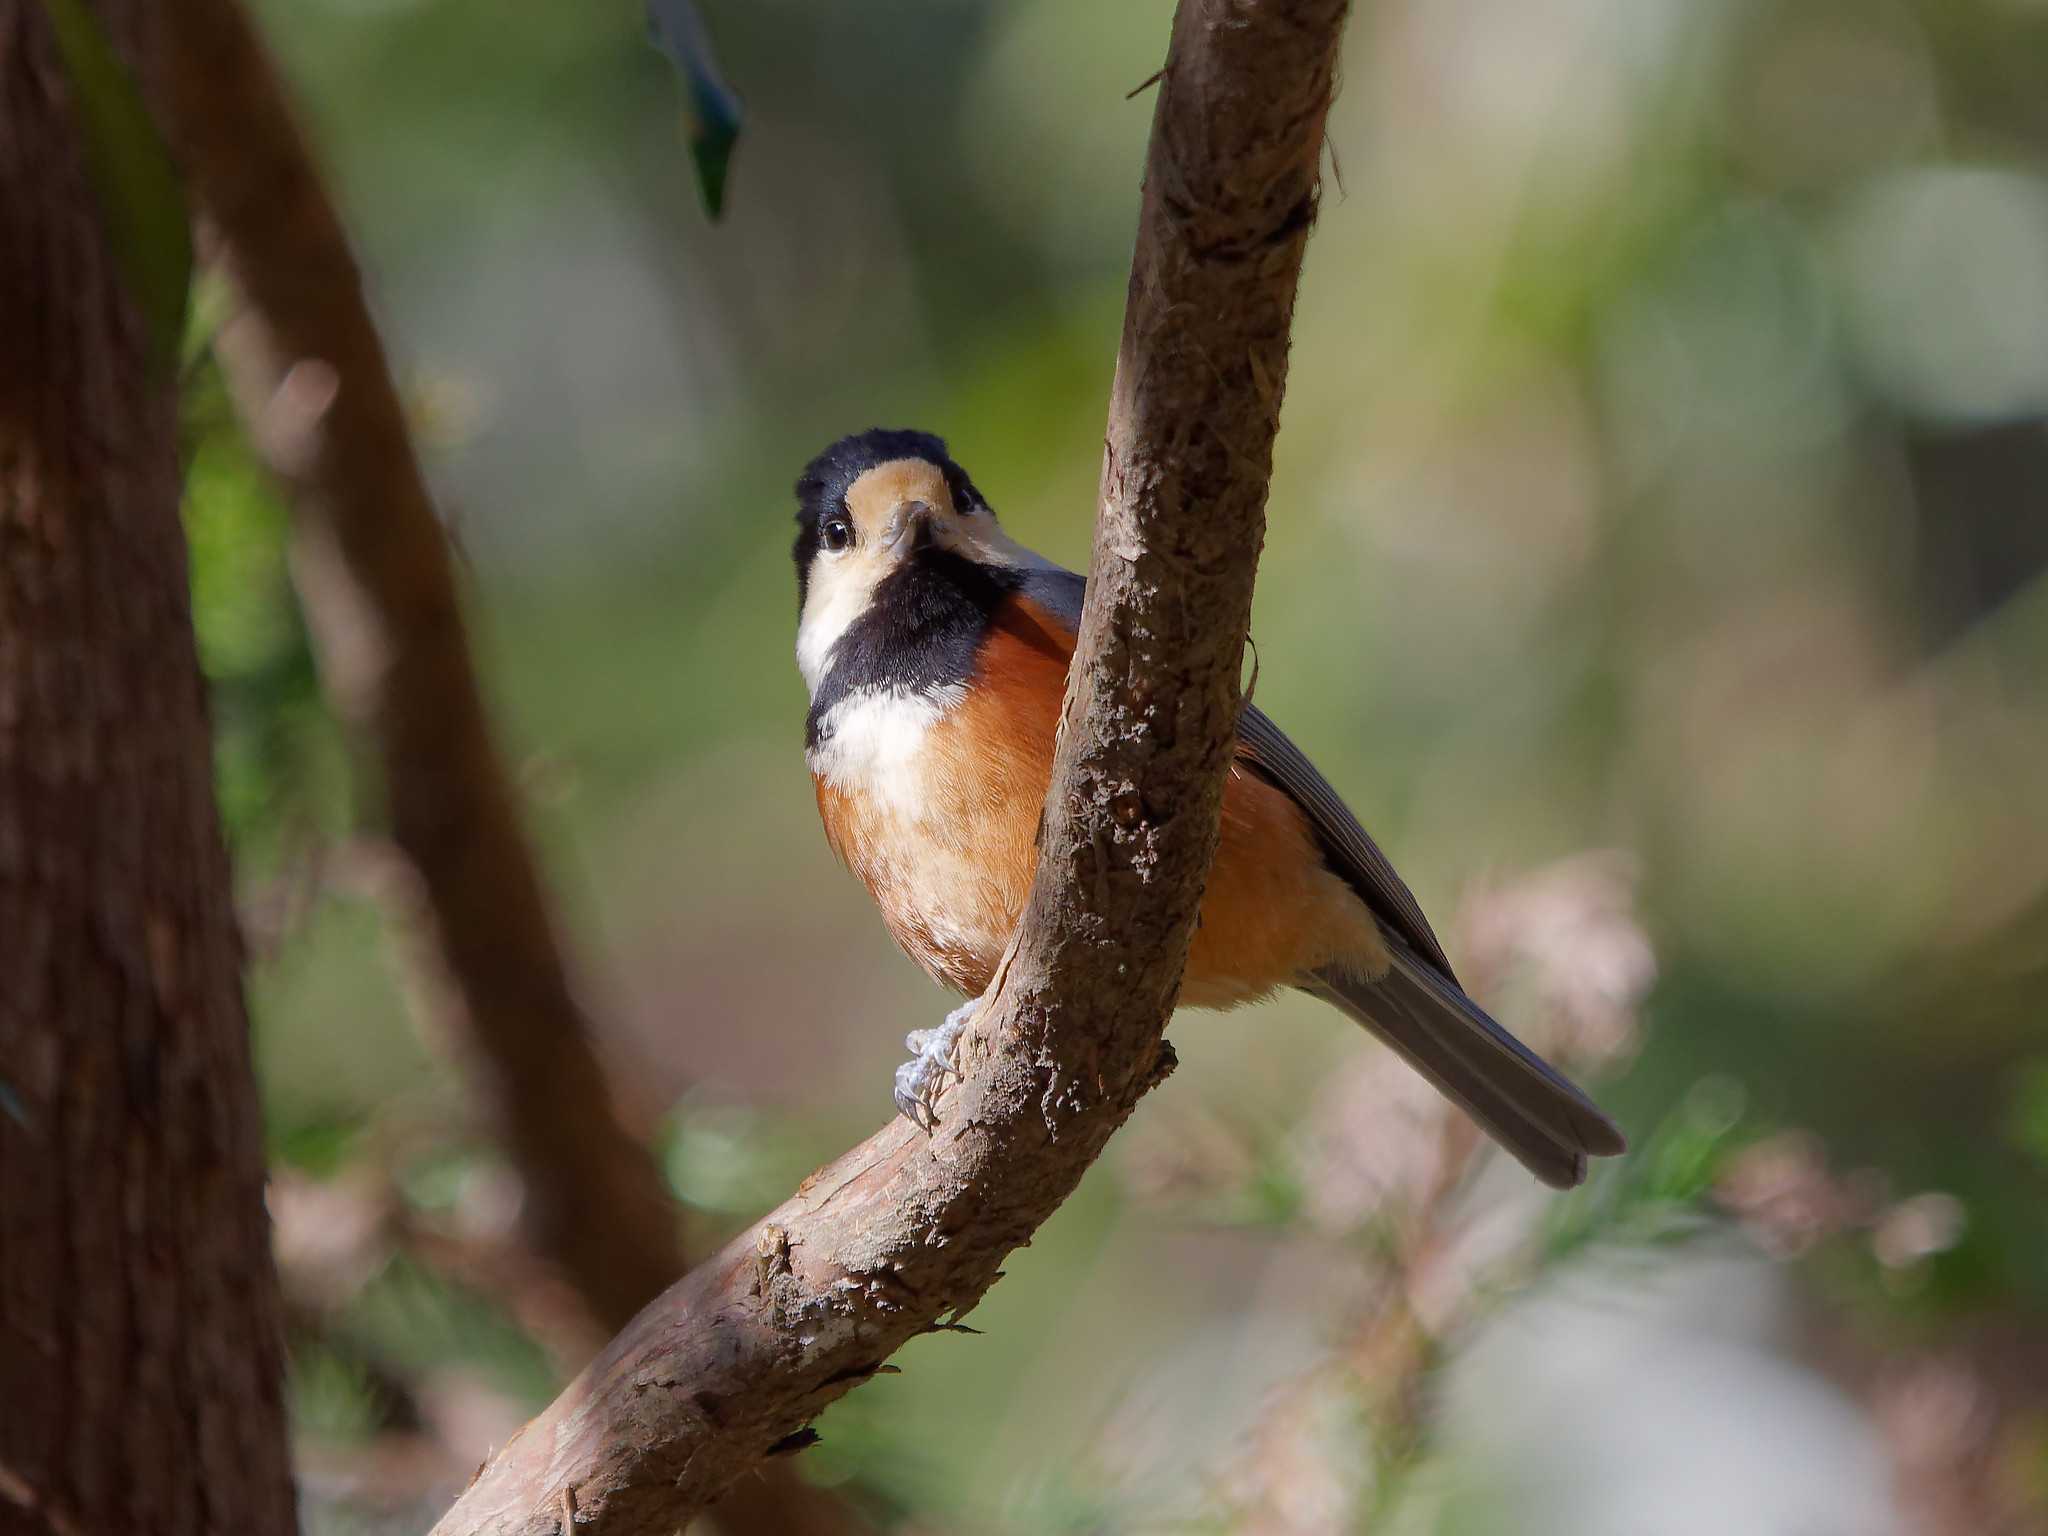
pixel 140 1382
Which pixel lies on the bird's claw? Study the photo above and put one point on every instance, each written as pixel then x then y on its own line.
pixel 919 1079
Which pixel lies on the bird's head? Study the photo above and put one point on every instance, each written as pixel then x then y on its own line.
pixel 876 505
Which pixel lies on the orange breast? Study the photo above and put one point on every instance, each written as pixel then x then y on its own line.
pixel 950 863
pixel 1273 911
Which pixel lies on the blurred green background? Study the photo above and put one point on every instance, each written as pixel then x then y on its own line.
pixel 1663 470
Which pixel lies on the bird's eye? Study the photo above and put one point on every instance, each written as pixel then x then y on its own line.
pixel 837 534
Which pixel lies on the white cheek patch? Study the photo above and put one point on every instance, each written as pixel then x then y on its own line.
pixel 843 588
pixel 872 743
pixel 837 599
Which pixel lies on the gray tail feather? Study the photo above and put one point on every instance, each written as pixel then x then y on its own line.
pixel 1517 1097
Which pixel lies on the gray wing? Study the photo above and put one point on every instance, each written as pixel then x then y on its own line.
pixel 1058 590
pixel 1349 848
pixel 1264 747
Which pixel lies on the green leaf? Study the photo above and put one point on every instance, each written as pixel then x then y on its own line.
pixel 711 111
pixel 141 197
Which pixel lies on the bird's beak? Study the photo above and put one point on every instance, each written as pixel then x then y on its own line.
pixel 909 529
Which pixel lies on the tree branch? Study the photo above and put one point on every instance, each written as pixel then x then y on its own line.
pixel 306 365
pixel 310 377
pixel 734 1361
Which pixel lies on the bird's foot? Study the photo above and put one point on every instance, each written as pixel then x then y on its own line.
pixel 918 1080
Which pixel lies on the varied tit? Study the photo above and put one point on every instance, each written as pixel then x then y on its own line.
pixel 936 649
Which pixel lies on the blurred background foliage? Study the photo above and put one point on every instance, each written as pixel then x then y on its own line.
pixel 1664 470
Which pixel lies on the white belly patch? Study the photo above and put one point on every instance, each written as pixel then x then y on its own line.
pixel 872 744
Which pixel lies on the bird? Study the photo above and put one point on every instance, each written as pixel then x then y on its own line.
pixel 935 650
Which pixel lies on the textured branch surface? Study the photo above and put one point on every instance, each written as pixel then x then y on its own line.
pixel 733 1362
pixel 310 376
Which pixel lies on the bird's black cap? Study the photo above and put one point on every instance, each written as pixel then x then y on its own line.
pixel 821 489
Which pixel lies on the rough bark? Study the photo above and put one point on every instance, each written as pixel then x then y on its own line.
pixel 140 1355
pixel 731 1365
pixel 310 375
